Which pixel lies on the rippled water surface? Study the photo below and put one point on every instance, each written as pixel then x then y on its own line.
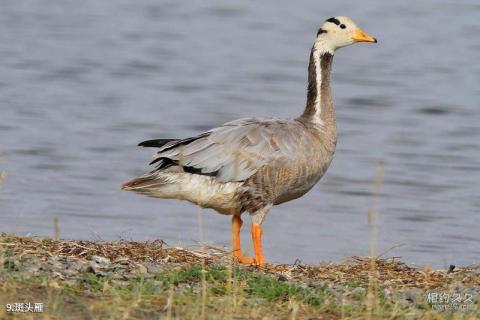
pixel 81 83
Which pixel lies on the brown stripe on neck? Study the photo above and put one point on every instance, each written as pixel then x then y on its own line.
pixel 318 101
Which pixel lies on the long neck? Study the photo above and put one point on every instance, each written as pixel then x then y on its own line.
pixel 319 108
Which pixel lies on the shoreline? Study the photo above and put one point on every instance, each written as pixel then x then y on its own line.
pixel 182 282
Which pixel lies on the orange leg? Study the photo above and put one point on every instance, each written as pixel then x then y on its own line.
pixel 257 244
pixel 237 250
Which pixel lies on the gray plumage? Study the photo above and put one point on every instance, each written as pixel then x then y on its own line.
pixel 237 149
pixel 252 163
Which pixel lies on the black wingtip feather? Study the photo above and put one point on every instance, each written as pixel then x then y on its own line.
pixel 156 143
pixel 157 160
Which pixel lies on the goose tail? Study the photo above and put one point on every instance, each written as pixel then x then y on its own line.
pixel 146 182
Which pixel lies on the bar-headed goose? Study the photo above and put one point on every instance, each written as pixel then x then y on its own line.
pixel 253 164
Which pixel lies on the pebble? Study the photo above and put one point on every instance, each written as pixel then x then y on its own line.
pixel 282 278
pixel 153 267
pixel 413 295
pixel 139 269
pixel 100 260
pixel 357 291
pixel 92 267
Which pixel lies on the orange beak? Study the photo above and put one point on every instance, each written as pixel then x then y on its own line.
pixel 361 36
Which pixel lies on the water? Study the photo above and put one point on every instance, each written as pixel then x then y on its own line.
pixel 82 83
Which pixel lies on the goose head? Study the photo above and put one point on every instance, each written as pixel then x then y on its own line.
pixel 338 32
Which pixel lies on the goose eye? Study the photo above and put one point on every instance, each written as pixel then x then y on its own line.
pixel 343 26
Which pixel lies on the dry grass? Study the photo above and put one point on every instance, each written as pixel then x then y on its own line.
pixel 204 283
pixel 154 251
pixel 391 273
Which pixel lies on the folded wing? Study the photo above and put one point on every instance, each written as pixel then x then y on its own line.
pixel 232 152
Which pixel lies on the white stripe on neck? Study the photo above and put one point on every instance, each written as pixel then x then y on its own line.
pixel 320 49
pixel 318 82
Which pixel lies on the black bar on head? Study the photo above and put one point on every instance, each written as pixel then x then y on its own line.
pixel 334 20
pixel 320 31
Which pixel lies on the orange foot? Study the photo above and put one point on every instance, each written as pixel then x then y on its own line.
pixel 237 251
pixel 257 244
pixel 242 259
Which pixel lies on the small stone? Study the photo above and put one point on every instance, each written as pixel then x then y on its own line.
pixel 153 267
pixel 69 273
pixel 74 265
pixel 359 291
pixel 335 291
pixel 10 265
pixel 56 266
pixel 27 256
pixel 122 260
pixel 89 268
pixel 282 278
pixel 32 268
pixel 53 260
pixel 413 295
pixel 101 273
pixel 92 267
pixel 139 269
pixel 100 260
pixel 120 282
pixel 317 285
